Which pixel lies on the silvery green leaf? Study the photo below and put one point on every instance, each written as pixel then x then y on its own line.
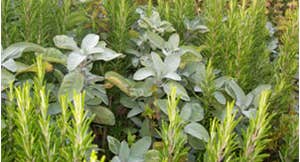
pixel 92 78
pixel 155 19
pixel 6 78
pixel 180 90
pixel 72 82
pixel 162 104
pixel 152 156
pixel 220 97
pixel 54 55
pixel 197 130
pixel 173 76
pixel 173 41
pixel 234 90
pixel 98 91
pixel 14 66
pixel 94 50
pixel 136 121
pixel 155 39
pixel 90 41
pixel 54 108
pixel 220 82
pixel 192 112
pixel 133 52
pixel 103 115
pixel 94 101
pixel 143 73
pixel 257 91
pixel 146 60
pixel 219 113
pixel 142 89
pixel 249 99
pixel 158 65
pixel 124 151
pixel 102 44
pixel 116 159
pixel 113 144
pixel 172 63
pixel 15 50
pixel 167 26
pixel 74 59
pixel 65 42
pixel 106 55
pixel 134 112
pixel 139 148
pixel 128 102
pixel 196 143
pixel 250 114
pixel 145 128
pixel 190 50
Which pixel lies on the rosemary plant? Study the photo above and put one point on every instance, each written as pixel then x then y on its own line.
pixel 32 134
pixel 172 135
pixel 222 143
pixel 256 137
pixel 236 41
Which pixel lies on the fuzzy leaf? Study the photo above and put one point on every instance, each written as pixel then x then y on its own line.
pixel 65 42
pixel 134 112
pixel 180 90
pixel 113 144
pixel 54 55
pixel 103 115
pixel 173 41
pixel 192 112
pixel 162 104
pixel 16 50
pixel 89 41
pixel 124 151
pixel 14 66
pixel 158 65
pixel 197 130
pixel 6 78
pixel 220 97
pixel 116 159
pixel 54 108
pixel 172 62
pixel 72 82
pixel 173 76
pixel 140 147
pixel 143 73
pixel 152 156
pixel 74 59
pixel 155 39
pixel 106 55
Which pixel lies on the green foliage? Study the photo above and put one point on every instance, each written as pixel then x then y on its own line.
pixel 286 65
pixel 121 16
pixel 222 142
pixel 236 40
pixel 172 135
pixel 36 136
pixel 289 124
pixel 176 12
pixel 123 152
pixel 79 64
pixel 256 137
pixel 39 21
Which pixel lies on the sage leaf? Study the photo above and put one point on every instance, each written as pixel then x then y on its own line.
pixel 197 130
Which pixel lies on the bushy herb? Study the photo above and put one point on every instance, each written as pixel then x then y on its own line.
pixel 34 133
